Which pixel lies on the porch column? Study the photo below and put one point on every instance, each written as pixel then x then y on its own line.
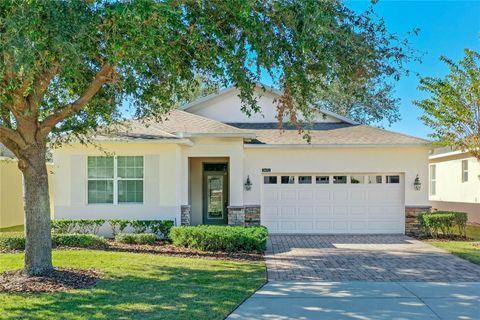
pixel 236 180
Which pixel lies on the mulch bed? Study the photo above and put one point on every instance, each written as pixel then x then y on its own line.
pixel 164 248
pixel 61 279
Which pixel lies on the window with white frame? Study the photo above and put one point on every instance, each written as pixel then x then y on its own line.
pixel 464 170
pixel 433 180
pixel 115 179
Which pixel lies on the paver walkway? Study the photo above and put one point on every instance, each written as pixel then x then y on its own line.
pixel 363 258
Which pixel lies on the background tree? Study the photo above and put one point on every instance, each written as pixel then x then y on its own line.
pixel 67 66
pixel 453 108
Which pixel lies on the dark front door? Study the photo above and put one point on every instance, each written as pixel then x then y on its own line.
pixel 215 193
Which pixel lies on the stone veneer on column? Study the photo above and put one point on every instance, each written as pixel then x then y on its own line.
pixel 185 211
pixel 252 215
pixel 236 215
pixel 244 215
pixel 411 213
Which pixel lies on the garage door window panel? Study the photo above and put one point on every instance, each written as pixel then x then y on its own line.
pixel 322 179
pixel 357 179
pixel 305 179
pixel 270 180
pixel 374 179
pixel 393 179
pixel 339 179
pixel 287 179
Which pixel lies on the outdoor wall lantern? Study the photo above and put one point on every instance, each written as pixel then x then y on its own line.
pixel 248 184
pixel 417 184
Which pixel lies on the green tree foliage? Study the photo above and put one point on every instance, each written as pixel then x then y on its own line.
pixel 67 65
pixel 453 108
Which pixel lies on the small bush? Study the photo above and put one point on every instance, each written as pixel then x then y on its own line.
pixel 118 225
pixel 221 238
pixel 136 238
pixel 16 241
pixel 443 222
pixel 12 241
pixel 79 240
pixel 63 225
pixel 83 226
pixel 159 227
pixel 162 227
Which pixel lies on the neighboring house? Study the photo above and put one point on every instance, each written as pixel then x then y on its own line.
pixel 209 163
pixel 455 182
pixel 11 191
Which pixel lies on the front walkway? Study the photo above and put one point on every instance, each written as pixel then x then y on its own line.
pixel 362 258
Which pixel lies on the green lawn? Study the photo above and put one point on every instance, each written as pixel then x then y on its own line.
pixel 473 232
pixel 138 286
pixel 463 249
pixel 12 229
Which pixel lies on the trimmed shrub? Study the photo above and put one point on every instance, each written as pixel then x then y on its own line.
pixel 118 225
pixel 136 238
pixel 79 240
pixel 159 227
pixel 12 241
pixel 221 238
pixel 162 227
pixel 443 222
pixel 82 226
pixel 91 226
pixel 16 241
pixel 63 226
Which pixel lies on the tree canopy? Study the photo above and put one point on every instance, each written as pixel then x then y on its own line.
pixel 68 65
pixel 453 108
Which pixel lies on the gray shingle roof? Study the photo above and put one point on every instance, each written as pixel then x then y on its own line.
pixel 180 121
pixel 169 127
pixel 329 134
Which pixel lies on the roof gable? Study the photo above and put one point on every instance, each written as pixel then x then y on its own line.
pixel 225 106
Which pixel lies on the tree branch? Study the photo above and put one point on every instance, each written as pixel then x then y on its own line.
pixel 100 79
pixel 40 86
pixel 9 136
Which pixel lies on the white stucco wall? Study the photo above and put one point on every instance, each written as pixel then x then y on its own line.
pixel 449 185
pixel 227 108
pixel 407 161
pixel 162 187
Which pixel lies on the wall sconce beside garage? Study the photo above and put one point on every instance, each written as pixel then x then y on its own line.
pixel 248 184
pixel 417 184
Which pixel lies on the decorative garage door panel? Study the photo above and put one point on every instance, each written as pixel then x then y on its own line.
pixel 371 203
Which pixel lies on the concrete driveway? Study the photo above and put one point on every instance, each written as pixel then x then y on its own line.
pixel 363 277
pixel 362 301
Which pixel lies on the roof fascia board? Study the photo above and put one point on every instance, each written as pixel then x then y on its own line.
pixel 246 135
pixel 141 141
pixel 447 154
pixel 310 146
pixel 206 98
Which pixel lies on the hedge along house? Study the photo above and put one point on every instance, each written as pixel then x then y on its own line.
pixel 208 163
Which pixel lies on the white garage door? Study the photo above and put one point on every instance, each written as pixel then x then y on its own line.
pixel 333 203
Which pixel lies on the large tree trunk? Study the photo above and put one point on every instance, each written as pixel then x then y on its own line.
pixel 38 246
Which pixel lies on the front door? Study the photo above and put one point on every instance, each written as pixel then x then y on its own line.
pixel 215 196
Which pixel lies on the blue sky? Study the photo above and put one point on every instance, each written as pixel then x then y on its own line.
pixel 446 28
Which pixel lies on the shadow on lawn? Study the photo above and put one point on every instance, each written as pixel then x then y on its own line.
pixel 166 292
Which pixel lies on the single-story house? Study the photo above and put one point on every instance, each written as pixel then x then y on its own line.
pixel 454 182
pixel 209 163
